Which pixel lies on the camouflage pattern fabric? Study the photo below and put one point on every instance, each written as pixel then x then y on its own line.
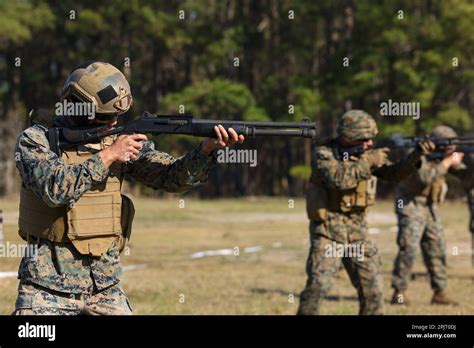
pixel 466 175
pixel 344 175
pixel 36 300
pixel 345 228
pixel 412 187
pixel 58 266
pixel 419 222
pixel 363 271
pixel 357 125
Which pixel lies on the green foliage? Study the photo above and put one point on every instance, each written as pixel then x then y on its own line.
pixel 87 22
pixel 451 115
pixel 301 172
pixel 407 128
pixel 218 99
pixel 219 54
pixel 307 103
pixel 20 19
pixel 282 62
pixel 254 113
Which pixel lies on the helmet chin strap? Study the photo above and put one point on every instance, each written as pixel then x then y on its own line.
pixel 105 117
pixel 71 121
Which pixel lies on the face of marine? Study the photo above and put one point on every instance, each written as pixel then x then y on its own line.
pixel 108 124
pixel 366 143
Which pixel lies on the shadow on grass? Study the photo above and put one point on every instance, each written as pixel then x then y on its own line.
pixel 286 293
pixel 425 275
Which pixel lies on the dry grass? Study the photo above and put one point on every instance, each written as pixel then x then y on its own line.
pixel 262 282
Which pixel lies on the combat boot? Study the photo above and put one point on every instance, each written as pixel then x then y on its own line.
pixel 440 297
pixel 400 298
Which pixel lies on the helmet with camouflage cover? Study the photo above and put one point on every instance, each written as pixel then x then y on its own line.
pixel 356 125
pixel 443 132
pixel 101 84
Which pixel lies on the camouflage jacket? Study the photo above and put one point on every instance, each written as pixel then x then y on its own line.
pixel 429 172
pixel 58 266
pixel 410 189
pixel 470 201
pixel 465 174
pixel 340 174
pixel 467 177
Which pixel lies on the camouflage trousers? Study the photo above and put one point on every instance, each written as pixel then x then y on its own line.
pixel 36 300
pixel 419 225
pixel 363 272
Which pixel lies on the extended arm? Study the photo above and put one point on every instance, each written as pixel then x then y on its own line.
pixel 161 171
pixel 401 170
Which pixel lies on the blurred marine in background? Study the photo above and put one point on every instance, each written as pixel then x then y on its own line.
pixel 469 187
pixel 417 201
pixel 71 206
pixel 342 188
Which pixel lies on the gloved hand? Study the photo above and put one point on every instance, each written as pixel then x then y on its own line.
pixel 425 147
pixel 376 157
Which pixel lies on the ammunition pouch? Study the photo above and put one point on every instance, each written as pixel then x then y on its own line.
pixel 128 213
pixel 436 191
pixel 320 200
pixel 317 203
pixel 37 220
pixel 366 192
pixel 359 198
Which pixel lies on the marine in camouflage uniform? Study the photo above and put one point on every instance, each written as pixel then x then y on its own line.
pixel 342 187
pixel 417 200
pixel 469 186
pixel 470 197
pixel 63 277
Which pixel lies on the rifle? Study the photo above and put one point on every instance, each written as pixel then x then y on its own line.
pixel 61 138
pixel 439 155
pixel 463 144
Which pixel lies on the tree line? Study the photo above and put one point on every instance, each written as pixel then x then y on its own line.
pixel 276 60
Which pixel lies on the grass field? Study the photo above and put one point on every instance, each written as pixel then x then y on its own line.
pixel 269 272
